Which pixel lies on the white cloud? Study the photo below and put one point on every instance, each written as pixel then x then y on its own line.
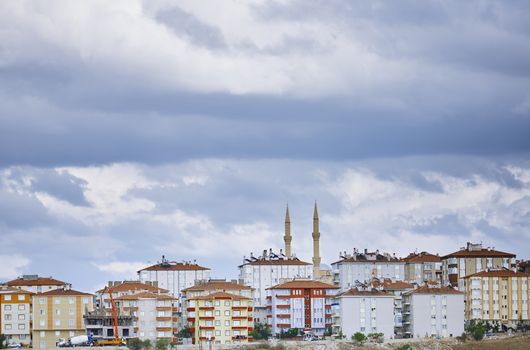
pixel 123 269
pixel 12 265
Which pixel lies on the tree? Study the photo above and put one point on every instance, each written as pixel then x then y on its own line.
pixel 162 344
pixel 146 344
pixel 185 333
pixel 260 331
pixel 3 341
pixel 376 337
pixel 134 344
pixel 476 329
pixel 359 337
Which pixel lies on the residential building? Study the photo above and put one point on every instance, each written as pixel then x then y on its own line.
pixel 366 311
pixel 396 288
pixel 59 314
pixel 15 315
pixel 498 296
pixel 358 267
pixel 268 270
pixel 524 266
pixel 99 323
pixel 472 259
pixel 220 318
pixel 423 267
pixel 174 276
pixel 36 284
pixel 301 304
pixel 437 311
pixel 227 306
pixel 153 314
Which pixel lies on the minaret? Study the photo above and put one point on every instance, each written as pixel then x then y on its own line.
pixel 287 238
pixel 316 245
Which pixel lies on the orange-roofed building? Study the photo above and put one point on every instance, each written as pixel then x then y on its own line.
pixel 499 296
pixel 423 267
pixel 15 315
pixel 36 284
pixel 301 304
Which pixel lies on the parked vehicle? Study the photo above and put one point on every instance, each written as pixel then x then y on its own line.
pixel 80 340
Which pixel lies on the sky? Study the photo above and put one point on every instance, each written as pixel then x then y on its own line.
pixel 135 129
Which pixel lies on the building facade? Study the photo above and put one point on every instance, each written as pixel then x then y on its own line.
pixel 498 296
pixel 358 267
pixel 220 318
pixel 435 312
pixel 15 315
pixel 36 284
pixel 59 314
pixel 174 276
pixel 472 259
pixel 423 267
pixel 301 304
pixel 365 311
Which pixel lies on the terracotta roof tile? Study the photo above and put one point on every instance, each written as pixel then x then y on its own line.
pixel 220 295
pixel 499 273
pixel 302 284
pixel 277 262
pixel 389 284
pixel 371 293
pixel 217 285
pixel 425 289
pixel 479 253
pixel 133 286
pixel 146 295
pixel 39 281
pixel 13 290
pixel 174 266
pixel 421 258
pixel 61 292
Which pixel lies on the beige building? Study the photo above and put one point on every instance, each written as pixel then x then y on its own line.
pixel 472 259
pixel 499 296
pixel 36 284
pixel 220 311
pixel 15 315
pixel 59 314
pixel 423 267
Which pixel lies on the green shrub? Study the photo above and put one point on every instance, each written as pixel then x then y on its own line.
pixel 162 344
pixel 477 329
pixel 359 337
pixel 134 344
pixel 404 347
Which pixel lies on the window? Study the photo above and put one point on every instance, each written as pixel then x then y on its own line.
pixel 42 323
pixel 21 317
pixel 227 333
pixel 22 306
pixel 70 301
pixel 57 312
pixel 7 297
pixel 21 297
pixel 57 322
pixel 7 307
pixel 227 323
pixel 71 323
pixel 71 311
pixel 217 303
pixel 85 300
pixel 72 333
pixel 217 333
pixel 227 312
pixel 42 312
pixel 217 313
pixel 42 334
pixel 227 302
pixel 41 301
pixel 7 317
pixel 7 326
pixel 21 326
pixel 218 323
pixel 57 300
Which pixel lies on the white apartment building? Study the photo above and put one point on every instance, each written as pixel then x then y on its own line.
pixel 365 311
pixel 270 269
pixel 174 276
pixel 433 312
pixel 500 297
pixel 423 267
pixel 358 267
pixel 302 304
pixel 471 259
pixel 36 284
pixel 15 315
pixel 153 314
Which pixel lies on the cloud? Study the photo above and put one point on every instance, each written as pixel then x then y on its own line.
pixel 13 265
pixel 122 269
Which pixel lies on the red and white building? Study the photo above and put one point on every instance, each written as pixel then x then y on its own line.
pixel 301 304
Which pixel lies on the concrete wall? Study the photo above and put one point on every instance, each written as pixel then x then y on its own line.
pixel 351 315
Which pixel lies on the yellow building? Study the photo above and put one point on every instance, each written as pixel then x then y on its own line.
pixel 221 318
pixel 59 314
pixel 498 295
pixel 219 311
pixel 15 315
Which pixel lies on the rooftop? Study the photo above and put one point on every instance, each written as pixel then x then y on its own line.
pixel 476 250
pixel 366 256
pixel 146 295
pixel 166 265
pixel 390 285
pixel 425 289
pixel 63 292
pixel 271 258
pixel 126 286
pixel 369 293
pixel 421 258
pixel 34 280
pixel 304 284
pixel 5 289
pixel 499 273
pixel 219 295
pixel 217 285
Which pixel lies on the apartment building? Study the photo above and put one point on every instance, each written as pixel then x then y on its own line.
pixel 174 276
pixel 437 311
pixel 99 323
pixel 423 267
pixel 361 267
pixel 472 259
pixel 15 315
pixel 498 296
pixel 365 311
pixel 227 306
pixel 523 266
pixel 220 318
pixel 36 284
pixel 301 304
pixel 395 288
pixel 268 270
pixel 59 314
pixel 154 315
